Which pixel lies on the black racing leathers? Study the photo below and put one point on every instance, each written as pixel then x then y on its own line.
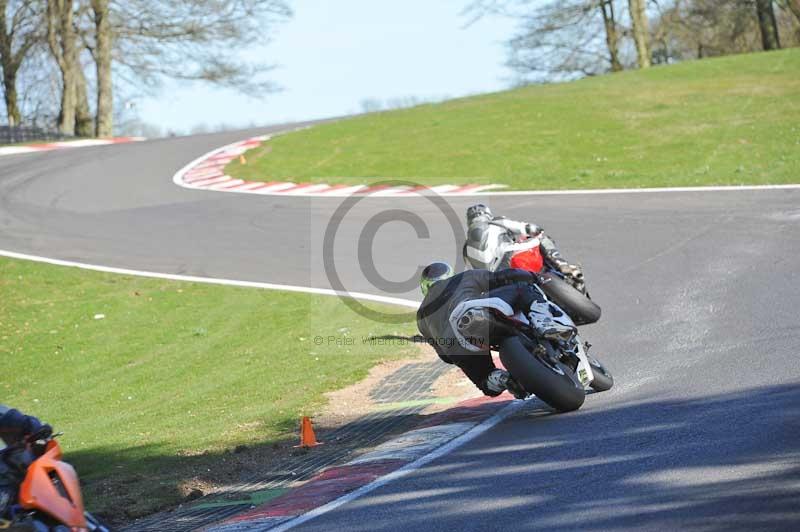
pixel 433 317
pixel 14 427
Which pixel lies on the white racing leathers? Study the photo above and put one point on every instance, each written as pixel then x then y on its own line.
pixel 491 243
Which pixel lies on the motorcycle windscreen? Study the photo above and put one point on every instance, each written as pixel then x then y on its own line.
pixel 530 260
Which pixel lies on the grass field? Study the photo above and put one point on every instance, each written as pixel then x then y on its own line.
pixel 155 381
pixel 731 120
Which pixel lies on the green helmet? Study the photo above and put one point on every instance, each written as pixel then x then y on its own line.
pixel 433 272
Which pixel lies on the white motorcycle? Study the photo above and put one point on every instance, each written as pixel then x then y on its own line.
pixel 557 371
pixel 569 292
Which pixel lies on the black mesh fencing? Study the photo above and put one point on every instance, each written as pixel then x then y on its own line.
pixel 24 134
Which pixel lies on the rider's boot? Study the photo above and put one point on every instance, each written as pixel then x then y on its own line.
pixel 515 388
pixel 545 326
pixel 499 380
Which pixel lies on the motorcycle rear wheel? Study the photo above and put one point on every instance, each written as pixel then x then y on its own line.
pixel 551 381
pixel 578 306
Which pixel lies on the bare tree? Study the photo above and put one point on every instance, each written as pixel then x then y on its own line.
pixel 20 25
pixel 640 31
pixel 767 25
pixel 560 39
pixel 139 43
pixel 371 105
pixel 689 29
pixel 198 40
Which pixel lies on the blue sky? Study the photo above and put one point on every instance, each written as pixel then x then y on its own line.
pixel 333 54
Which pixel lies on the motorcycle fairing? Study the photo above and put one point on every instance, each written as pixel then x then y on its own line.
pixel 51 487
pixel 584 369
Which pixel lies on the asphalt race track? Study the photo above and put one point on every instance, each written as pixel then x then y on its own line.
pixel 700 294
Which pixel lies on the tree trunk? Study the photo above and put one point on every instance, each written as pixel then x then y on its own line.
pixel 767 25
pixel 640 31
pixel 69 67
pixel 104 126
pixel 84 121
pixel 10 92
pixel 61 40
pixel 612 37
pixel 9 68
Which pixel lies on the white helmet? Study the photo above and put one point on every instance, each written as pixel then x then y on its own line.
pixel 476 211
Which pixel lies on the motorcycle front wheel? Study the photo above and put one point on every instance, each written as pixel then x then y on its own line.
pixel 603 380
pixel 549 380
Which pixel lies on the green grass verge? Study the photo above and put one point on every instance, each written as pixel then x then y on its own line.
pixel 174 377
pixel 731 120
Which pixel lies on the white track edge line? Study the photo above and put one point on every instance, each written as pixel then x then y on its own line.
pixel 719 188
pixel 448 447
pixel 178 180
pixel 213 280
pixel 603 191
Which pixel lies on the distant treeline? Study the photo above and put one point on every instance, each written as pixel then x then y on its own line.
pixel 562 39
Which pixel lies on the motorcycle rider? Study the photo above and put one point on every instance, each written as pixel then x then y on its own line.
pixel 489 236
pixel 447 299
pixel 15 427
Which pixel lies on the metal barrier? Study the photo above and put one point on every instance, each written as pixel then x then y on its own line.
pixel 21 134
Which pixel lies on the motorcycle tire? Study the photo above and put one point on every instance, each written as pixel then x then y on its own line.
pixel 578 306
pixel 603 380
pixel 551 381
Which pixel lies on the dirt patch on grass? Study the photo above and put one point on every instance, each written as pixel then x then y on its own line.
pixel 350 403
pixel 220 473
pixel 455 385
pixel 355 401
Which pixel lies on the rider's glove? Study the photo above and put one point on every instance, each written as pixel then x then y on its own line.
pixel 42 433
pixel 533 230
pixel 571 270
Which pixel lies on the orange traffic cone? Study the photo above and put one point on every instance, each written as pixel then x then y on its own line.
pixel 242 160
pixel 307 436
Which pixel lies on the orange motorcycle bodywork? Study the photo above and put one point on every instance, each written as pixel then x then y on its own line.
pixel 40 491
